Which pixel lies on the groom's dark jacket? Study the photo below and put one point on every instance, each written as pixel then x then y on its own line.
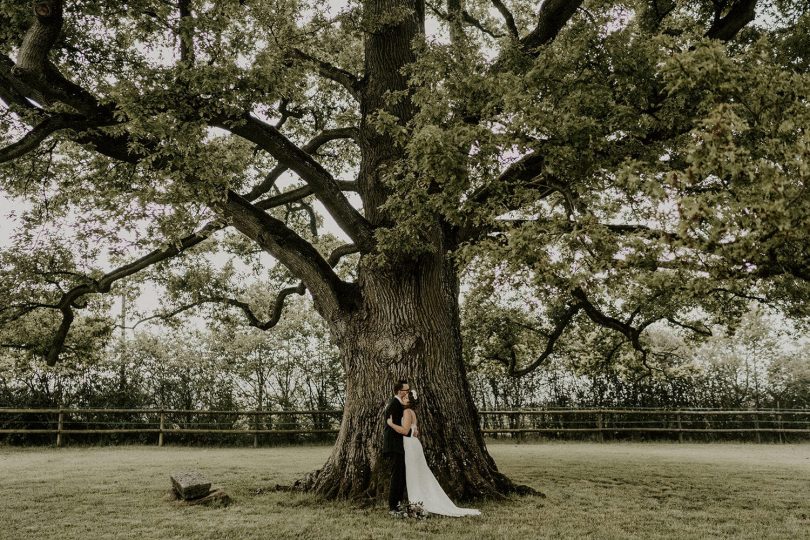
pixel 392 441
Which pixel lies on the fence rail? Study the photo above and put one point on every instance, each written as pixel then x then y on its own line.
pixel 777 424
pixel 163 422
pixel 774 424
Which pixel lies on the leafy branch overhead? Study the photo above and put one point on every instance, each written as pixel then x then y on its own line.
pixel 630 163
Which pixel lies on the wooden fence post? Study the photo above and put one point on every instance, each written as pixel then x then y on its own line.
pixel 756 426
pixel 162 424
pixel 256 427
pixel 60 424
pixel 680 429
pixel 708 427
pixel 779 425
pixel 599 427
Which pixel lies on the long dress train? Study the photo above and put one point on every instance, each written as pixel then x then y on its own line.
pixel 423 486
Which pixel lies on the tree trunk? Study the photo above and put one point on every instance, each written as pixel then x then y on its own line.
pixel 407 322
pixel 408 327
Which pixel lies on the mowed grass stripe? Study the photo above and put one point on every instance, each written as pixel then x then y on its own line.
pixel 612 490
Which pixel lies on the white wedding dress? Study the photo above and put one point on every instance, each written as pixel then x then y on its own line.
pixel 423 486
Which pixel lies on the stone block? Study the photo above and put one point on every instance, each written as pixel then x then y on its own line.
pixel 190 484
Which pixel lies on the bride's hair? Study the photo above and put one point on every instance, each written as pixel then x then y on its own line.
pixel 412 401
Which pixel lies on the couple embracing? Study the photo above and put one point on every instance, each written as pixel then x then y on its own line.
pixel 409 468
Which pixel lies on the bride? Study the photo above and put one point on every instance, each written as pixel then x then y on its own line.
pixel 422 485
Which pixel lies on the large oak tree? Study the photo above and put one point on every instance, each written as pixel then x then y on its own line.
pixel 630 163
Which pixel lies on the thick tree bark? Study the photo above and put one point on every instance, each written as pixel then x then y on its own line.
pixel 33 55
pixel 407 327
pixel 388 49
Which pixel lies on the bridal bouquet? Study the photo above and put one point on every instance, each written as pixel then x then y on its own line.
pixel 412 510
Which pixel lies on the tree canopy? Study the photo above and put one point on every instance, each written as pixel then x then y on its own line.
pixel 622 163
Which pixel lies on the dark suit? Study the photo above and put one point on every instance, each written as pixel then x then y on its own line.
pixel 395 452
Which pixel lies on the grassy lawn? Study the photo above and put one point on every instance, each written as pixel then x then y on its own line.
pixel 611 490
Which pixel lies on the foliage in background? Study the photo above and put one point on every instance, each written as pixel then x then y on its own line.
pixel 763 363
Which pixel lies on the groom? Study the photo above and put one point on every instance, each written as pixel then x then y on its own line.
pixel 392 446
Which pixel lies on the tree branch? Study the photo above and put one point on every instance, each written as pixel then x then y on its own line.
pixel 703 331
pixel 278 307
pixel 508 18
pixel 472 21
pixel 103 285
pixel 654 13
pixel 631 333
pixel 286 113
pixel 331 294
pixel 311 147
pixel 31 140
pixel 344 78
pixel 562 323
pixel 37 72
pixel 165 315
pixel 625 228
pixel 32 57
pixel 456 15
pixel 272 235
pixel 726 28
pixel 58 341
pixel 16 92
pixel 270 139
pixel 723 290
pixel 340 252
pixel 253 320
pixel 12 92
pixel 297 194
pixel 185 30
pixel 310 256
pixel 522 171
pixel 553 15
pixel 323 185
pixel 526 172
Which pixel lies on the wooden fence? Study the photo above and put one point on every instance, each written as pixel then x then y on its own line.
pixel 708 424
pixel 598 424
pixel 163 422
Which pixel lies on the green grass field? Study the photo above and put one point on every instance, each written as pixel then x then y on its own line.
pixel 611 490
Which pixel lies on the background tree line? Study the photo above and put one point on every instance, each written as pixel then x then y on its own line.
pixel 762 363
